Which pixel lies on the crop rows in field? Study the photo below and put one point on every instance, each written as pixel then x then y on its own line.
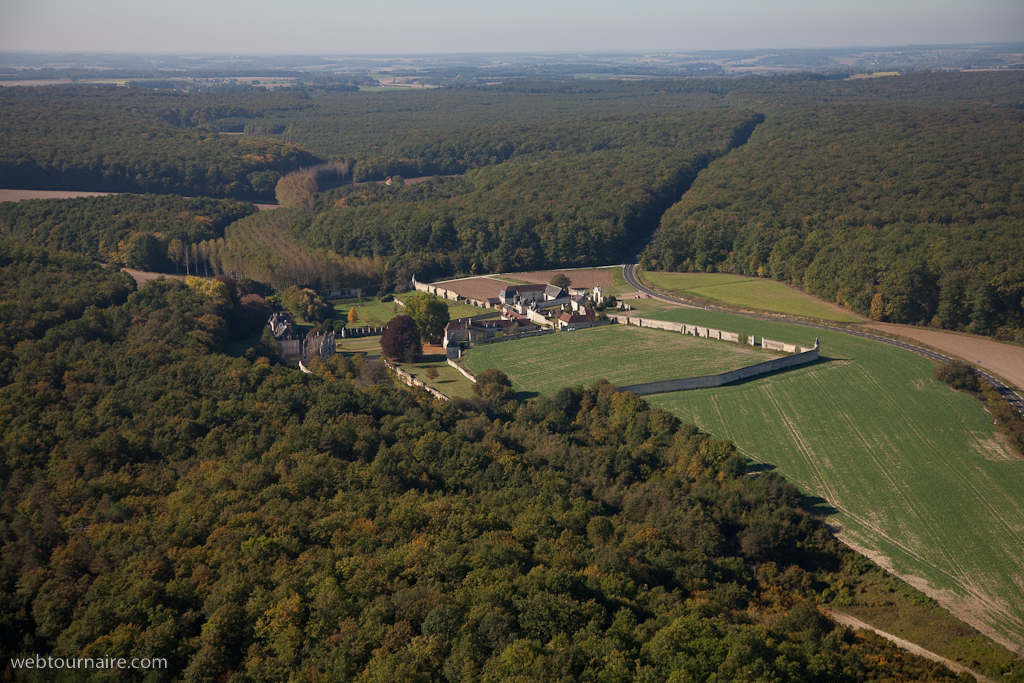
pixel 619 353
pixel 748 293
pixel 914 469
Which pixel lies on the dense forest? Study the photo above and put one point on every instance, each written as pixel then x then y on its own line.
pixel 250 522
pixel 911 215
pixel 572 194
pixel 106 139
pixel 131 229
pixel 897 197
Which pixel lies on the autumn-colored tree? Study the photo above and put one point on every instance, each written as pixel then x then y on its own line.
pixel 353 317
pixel 296 191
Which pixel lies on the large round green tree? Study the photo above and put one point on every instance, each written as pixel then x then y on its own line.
pixel 430 313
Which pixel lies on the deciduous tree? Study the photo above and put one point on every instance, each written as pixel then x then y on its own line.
pixel 430 313
pixel 401 340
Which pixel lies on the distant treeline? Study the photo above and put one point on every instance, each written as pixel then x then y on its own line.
pixel 102 139
pixel 897 197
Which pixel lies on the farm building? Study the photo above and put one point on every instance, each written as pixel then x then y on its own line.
pixel 515 294
pixel 458 331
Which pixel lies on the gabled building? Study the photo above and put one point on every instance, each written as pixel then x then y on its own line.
pixel 516 294
pixel 576 321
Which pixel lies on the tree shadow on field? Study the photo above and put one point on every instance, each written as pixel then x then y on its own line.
pixel 819 507
pixel 759 467
pixel 523 396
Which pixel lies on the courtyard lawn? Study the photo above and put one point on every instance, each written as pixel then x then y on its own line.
pixel 449 382
pixel 456 309
pixel 620 354
pixel 367 345
pixel 747 293
pixel 371 312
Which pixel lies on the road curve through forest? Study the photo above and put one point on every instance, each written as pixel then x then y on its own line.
pixel 1006 392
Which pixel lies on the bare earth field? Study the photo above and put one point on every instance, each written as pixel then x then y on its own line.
pixel 18 195
pixel 142 276
pixel 42 81
pixel 1002 359
pixel 586 278
pixel 474 287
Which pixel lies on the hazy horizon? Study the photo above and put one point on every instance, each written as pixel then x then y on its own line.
pixel 317 27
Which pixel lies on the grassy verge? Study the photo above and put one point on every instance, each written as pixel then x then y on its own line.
pixel 739 291
pixel 890 604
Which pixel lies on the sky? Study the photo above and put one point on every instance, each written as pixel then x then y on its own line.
pixel 447 26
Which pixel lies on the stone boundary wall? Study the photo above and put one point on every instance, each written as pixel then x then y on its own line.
pixel 524 335
pixel 448 294
pixel 469 375
pixel 398 301
pixel 412 381
pixel 349 332
pixel 695 330
pixel 783 346
pixel 709 381
pixel 472 318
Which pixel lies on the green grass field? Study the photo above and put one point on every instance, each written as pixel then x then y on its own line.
pixel 371 312
pixel 367 345
pixel 918 478
pixel 449 382
pixel 747 292
pixel 619 353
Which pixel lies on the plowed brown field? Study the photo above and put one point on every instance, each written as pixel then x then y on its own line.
pixel 1002 359
pixel 583 279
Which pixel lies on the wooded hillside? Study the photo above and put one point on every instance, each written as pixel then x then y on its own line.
pixel 242 518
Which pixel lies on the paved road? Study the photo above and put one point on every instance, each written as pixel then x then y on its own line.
pixel 1006 392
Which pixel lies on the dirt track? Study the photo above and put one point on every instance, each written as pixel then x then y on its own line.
pixel 854 623
pixel 1004 360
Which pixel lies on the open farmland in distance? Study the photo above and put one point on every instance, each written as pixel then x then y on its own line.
pixel 621 354
pixel 917 477
pixel 748 293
